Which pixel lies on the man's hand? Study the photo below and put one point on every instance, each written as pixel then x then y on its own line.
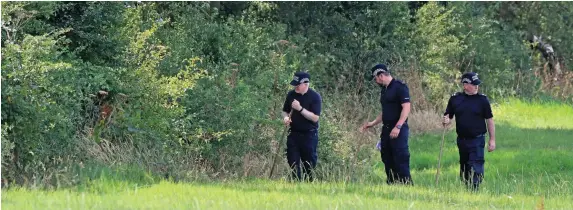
pixel 394 133
pixel 379 146
pixel 366 125
pixel 287 121
pixel 446 120
pixel 491 145
pixel 296 105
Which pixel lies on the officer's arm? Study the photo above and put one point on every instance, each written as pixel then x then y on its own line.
pixel 449 112
pixel 309 115
pixel 490 128
pixel 315 109
pixel 284 114
pixel 404 114
pixel 286 107
pixel 405 100
pixel 378 120
pixel 488 115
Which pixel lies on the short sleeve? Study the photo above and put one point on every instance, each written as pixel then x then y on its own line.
pixel 487 113
pixel 449 109
pixel 316 106
pixel 287 107
pixel 404 95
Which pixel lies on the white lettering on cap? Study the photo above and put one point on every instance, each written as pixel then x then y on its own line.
pixel 378 71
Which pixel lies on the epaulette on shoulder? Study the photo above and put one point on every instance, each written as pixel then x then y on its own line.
pixel 481 94
pixel 456 94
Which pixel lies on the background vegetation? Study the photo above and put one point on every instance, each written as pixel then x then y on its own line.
pixel 193 90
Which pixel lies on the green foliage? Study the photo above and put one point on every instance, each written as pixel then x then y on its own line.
pixel 440 48
pixel 205 82
pixel 343 40
pixel 553 21
pixel 39 116
pixel 542 177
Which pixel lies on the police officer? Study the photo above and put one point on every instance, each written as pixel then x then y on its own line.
pixel 472 111
pixel 393 145
pixel 304 105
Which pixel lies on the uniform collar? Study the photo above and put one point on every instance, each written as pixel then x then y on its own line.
pixel 391 82
pixel 465 94
pixel 307 92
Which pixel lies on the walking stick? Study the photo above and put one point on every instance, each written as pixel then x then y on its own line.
pixel 440 157
pixel 281 142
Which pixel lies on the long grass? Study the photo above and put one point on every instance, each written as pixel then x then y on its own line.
pixel 532 168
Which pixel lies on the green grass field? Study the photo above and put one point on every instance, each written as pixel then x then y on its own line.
pixel 531 168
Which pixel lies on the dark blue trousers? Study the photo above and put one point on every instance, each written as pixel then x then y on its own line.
pixel 471 160
pixel 301 147
pixel 396 155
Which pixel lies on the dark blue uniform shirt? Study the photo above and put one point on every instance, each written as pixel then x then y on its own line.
pixel 392 97
pixel 310 101
pixel 471 112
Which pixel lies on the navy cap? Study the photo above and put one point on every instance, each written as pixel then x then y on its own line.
pixel 471 78
pixel 378 69
pixel 299 78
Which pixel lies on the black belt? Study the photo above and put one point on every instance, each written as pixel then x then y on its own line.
pixel 391 125
pixel 299 131
pixel 474 137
